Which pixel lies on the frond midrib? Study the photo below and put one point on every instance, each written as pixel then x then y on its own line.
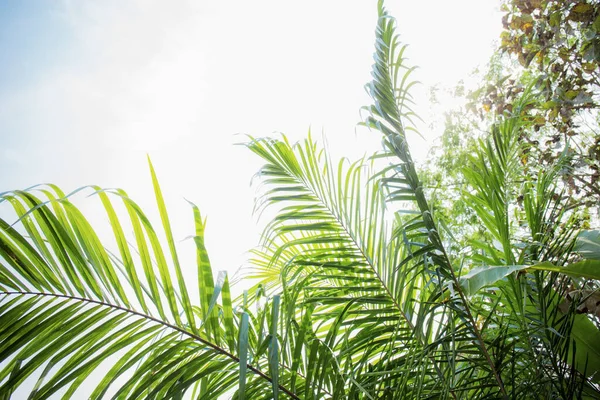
pixel 341 222
pixel 148 317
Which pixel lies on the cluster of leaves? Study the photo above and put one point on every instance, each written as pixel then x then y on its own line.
pixel 359 295
pixel 562 38
pixel 556 100
pixel 558 45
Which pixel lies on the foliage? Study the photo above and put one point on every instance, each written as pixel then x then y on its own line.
pixel 563 39
pixel 558 44
pixel 359 291
pixel 69 304
pixel 561 128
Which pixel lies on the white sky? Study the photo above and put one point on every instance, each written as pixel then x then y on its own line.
pixel 179 79
pixel 87 88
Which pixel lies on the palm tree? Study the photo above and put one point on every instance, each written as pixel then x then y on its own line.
pixel 355 295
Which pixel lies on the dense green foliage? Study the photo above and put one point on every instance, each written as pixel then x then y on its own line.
pixel 364 288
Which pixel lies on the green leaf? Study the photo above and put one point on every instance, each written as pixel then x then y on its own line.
pixel 206 284
pixel 587 341
pixel 588 269
pixel 588 244
pixel 228 315
pixel 183 292
pixel 274 348
pixel 481 277
pixel 243 355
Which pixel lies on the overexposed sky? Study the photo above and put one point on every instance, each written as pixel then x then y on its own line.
pixel 88 88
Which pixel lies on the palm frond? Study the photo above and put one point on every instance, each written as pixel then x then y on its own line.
pixel 387 116
pixel 69 305
pixel 332 249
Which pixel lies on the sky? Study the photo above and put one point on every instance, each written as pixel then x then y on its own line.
pixel 88 88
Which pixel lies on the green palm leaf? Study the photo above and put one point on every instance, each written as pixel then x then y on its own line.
pixel 69 306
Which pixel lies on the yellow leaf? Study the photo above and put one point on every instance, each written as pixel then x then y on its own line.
pixel 571 94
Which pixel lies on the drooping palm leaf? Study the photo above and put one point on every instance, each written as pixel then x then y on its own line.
pixel 69 306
